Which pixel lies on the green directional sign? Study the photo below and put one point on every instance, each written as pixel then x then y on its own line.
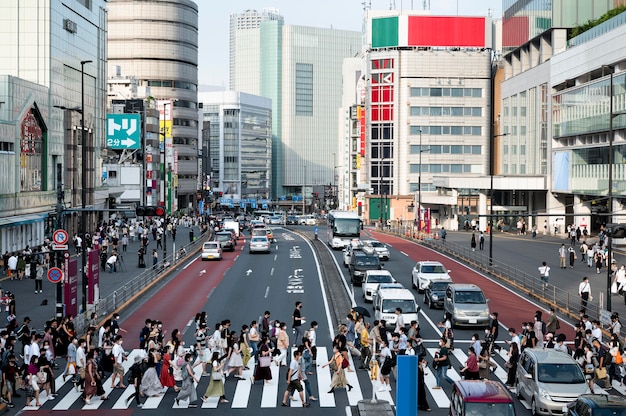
pixel 123 131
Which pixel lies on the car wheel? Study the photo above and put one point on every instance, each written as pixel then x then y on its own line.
pixel 413 283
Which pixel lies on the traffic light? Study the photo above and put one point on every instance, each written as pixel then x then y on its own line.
pixel 150 211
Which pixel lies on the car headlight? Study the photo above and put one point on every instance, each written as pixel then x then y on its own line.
pixel 484 314
pixel 435 297
pixel 543 393
pixel 458 313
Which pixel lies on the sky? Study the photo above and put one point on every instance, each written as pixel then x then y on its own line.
pixel 338 14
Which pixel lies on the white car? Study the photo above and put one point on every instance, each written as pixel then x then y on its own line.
pixel 211 250
pixel 355 244
pixel 381 249
pixel 426 271
pixel 259 244
pixel 373 279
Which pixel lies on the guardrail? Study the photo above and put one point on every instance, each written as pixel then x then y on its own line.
pixel 568 304
pixel 129 291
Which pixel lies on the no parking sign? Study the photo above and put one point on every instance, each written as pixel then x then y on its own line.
pixel 55 275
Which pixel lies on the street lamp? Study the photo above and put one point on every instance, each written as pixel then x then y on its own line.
pixel 491 169
pixel 83 193
pixel 164 182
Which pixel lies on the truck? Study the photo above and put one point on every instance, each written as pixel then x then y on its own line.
pixel 233 225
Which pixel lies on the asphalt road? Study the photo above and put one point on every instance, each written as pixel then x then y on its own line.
pixel 243 285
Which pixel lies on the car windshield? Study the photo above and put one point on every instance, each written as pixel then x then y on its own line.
pixel 491 409
pixel 560 374
pixel 379 278
pixel 210 246
pixel 376 244
pixel 439 286
pixel 470 296
pixel 432 268
pixel 223 237
pixel 367 261
pixel 390 305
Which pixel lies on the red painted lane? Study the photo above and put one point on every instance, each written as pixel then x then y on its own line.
pixel 179 301
pixel 512 309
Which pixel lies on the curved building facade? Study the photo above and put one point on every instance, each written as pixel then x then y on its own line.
pixel 156 42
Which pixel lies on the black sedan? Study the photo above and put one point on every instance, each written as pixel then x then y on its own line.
pixel 435 292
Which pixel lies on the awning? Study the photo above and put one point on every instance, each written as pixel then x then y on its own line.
pixel 130 195
pixel 22 219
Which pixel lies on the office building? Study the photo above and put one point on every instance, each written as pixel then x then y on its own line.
pixel 239 171
pixel 156 42
pixel 299 68
pixel 42 45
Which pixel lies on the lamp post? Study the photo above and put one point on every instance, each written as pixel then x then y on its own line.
pixel 419 187
pixel 83 193
pixel 164 164
pixel 609 268
pixel 491 169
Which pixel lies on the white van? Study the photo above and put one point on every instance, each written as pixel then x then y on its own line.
pixel 387 300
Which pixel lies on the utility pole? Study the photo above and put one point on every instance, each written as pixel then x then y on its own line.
pixel 59 254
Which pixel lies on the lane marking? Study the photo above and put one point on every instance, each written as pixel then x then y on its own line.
pixel 402 252
pixel 267 291
pixel 272 272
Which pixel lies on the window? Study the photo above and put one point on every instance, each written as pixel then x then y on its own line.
pixel 456 149
pixel 304 89
pixel 31 152
pixel 112 174
pixel 415 168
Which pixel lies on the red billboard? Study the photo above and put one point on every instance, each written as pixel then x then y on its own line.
pixel 447 31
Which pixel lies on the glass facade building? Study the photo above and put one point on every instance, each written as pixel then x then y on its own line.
pixel 523 20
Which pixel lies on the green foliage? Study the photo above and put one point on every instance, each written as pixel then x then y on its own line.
pixel 577 30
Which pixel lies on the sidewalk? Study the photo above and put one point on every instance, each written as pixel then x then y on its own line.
pixel 27 303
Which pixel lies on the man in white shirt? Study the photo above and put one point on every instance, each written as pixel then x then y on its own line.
pixel 584 291
pixel 118 368
pixel 544 273
pixel 81 363
pixel 514 338
pixel 34 345
pixel 596 331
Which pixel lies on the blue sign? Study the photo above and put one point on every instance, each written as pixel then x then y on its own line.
pixel 123 131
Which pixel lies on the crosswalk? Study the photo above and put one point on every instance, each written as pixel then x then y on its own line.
pixel 242 394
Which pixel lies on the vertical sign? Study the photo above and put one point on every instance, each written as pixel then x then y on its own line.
pixel 70 287
pixel 93 275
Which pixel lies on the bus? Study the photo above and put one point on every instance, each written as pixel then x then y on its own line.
pixel 343 226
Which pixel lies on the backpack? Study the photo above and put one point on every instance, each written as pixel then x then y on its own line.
pixel 544 329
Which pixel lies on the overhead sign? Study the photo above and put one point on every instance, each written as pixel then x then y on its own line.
pixel 123 131
pixel 55 275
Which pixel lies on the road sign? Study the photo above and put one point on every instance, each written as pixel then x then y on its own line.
pixel 123 131
pixel 60 237
pixel 60 247
pixel 55 275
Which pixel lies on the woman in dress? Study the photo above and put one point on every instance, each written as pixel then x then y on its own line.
pixel 422 403
pixel 244 345
pixel 485 364
pixel 150 384
pixel 167 369
pixel 188 388
pixel 216 385
pixel 511 364
pixel 262 370
pixel 91 374
pixel 338 380
pixel 235 362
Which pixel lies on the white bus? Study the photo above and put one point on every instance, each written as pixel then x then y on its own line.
pixel 343 226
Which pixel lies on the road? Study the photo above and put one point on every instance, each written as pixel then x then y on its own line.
pixel 243 286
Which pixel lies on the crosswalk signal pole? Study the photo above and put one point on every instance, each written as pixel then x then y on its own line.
pixel 59 253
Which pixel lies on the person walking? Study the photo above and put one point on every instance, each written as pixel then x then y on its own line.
pixel 294 375
pixel 136 373
pixel 442 362
pixel 39 278
pixel 188 388
pixel 572 256
pixel 422 402
pixel 473 241
pixel 336 364
pixel 443 234
pixel 562 256
pixel 216 385
pixel 298 320
pixel 481 241
pixel 282 343
pixel 584 291
pixel 544 273
pixel 470 370
pixel 262 370
pixel 511 363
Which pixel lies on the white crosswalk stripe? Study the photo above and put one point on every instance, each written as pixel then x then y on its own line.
pixel 269 395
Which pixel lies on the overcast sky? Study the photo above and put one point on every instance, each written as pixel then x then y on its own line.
pixel 339 14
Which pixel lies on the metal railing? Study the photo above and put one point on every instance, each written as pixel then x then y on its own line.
pixel 111 303
pixel 566 303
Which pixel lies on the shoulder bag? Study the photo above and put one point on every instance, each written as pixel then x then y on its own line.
pixel 265 361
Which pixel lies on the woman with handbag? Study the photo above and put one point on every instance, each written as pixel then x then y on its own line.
pixel 511 364
pixel 262 370
pixel 337 365
pixel 216 385
pixel 91 374
pixel 485 364
pixel 32 381
pixel 188 389
pixel 282 342
pixel 235 362
pixel 167 369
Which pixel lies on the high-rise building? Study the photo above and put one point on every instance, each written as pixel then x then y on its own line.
pixel 52 61
pixel 156 42
pixel 299 69
pixel 240 148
